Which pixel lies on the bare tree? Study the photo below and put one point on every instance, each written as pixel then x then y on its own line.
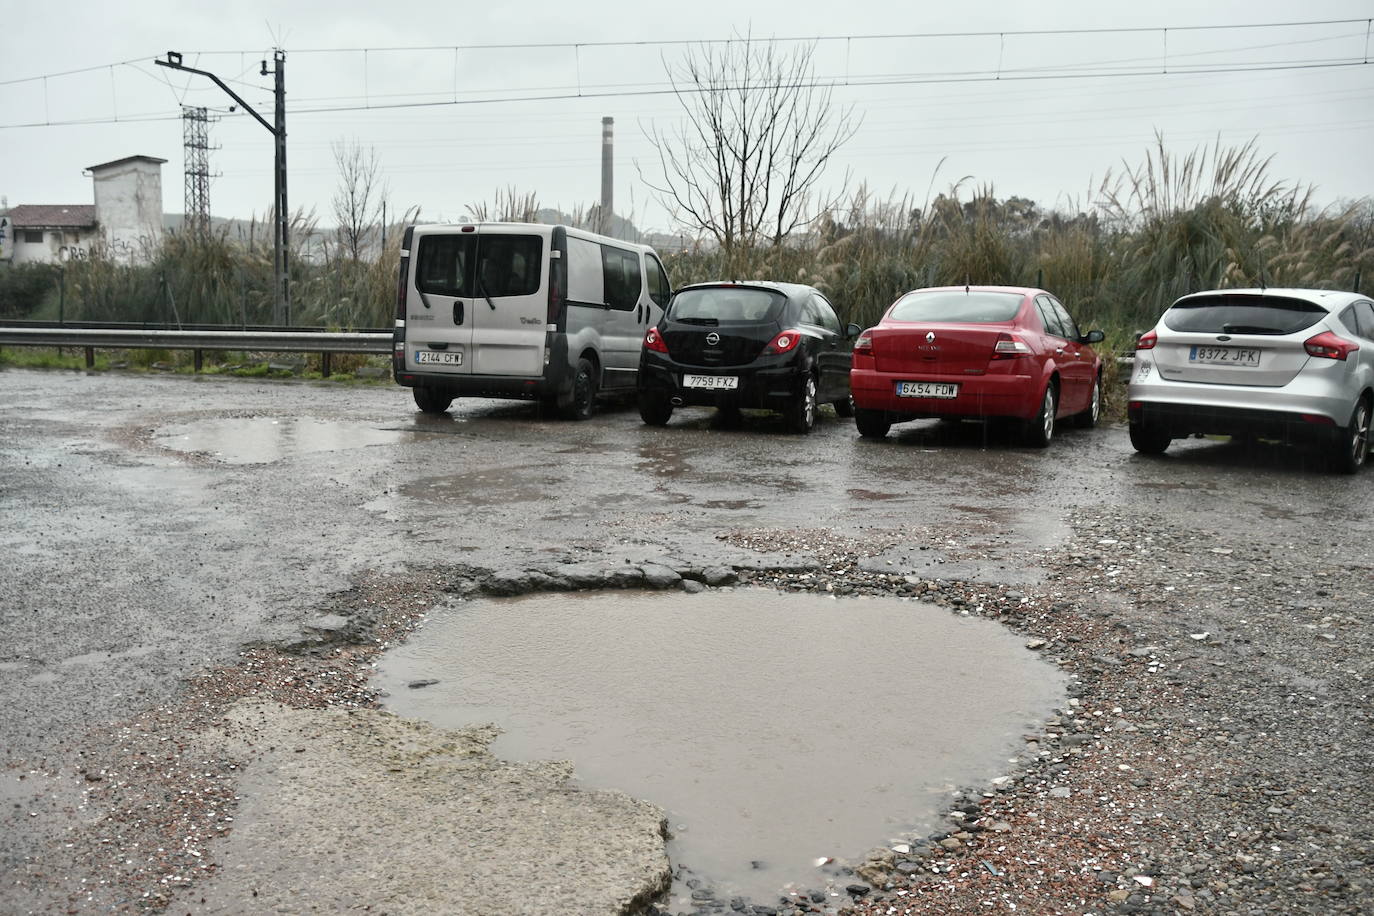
pixel 360 199
pixel 759 132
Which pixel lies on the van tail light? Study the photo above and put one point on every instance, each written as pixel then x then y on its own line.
pixel 1009 347
pixel 1147 341
pixel 401 274
pixel 1329 346
pixel 785 342
pixel 558 289
pixel 864 345
pixel 654 341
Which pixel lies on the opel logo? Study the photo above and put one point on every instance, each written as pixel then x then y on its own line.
pixel 713 338
pixel 930 337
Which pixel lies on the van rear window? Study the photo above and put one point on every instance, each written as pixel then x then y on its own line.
pixel 452 264
pixel 1243 315
pixel 724 304
pixel 974 307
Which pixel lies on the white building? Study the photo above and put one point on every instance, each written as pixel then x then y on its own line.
pixel 125 222
pixel 48 233
pixel 128 206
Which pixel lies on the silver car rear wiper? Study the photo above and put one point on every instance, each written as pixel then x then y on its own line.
pixel 482 288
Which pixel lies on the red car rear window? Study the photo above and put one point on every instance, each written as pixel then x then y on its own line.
pixel 973 307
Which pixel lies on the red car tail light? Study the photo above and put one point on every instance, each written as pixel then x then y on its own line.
pixel 864 345
pixel 785 342
pixel 1147 341
pixel 1329 346
pixel 654 341
pixel 1009 347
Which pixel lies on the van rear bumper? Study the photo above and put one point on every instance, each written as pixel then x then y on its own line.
pixel 556 382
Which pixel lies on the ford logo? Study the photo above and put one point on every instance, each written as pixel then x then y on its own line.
pixel 713 338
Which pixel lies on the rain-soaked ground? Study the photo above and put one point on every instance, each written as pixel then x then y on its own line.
pixel 154 526
pixel 774 730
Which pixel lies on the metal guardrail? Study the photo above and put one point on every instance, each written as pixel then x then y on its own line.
pixel 288 340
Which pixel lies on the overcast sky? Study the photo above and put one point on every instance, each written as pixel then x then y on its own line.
pixel 1041 116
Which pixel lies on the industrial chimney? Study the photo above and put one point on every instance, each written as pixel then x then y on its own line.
pixel 607 175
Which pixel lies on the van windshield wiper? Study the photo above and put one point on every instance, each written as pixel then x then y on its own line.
pixel 482 288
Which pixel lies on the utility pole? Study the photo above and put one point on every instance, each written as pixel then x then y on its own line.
pixel 281 308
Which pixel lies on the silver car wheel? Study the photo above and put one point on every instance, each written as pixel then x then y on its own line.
pixel 1047 411
pixel 1359 434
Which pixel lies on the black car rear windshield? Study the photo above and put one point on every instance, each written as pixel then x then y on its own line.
pixel 726 305
pixel 974 307
pixel 1243 315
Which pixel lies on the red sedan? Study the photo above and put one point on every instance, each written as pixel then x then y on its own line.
pixel 972 352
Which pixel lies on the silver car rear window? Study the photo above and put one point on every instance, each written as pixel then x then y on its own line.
pixel 725 304
pixel 1243 315
pixel 974 307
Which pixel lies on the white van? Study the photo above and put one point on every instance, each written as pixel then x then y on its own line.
pixel 522 310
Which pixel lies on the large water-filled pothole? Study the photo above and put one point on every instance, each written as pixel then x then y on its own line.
pixel 261 440
pixel 774 729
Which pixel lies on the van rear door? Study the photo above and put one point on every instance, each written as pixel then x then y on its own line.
pixel 509 306
pixel 439 303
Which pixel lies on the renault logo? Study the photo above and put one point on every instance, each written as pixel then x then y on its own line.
pixel 930 337
pixel 713 338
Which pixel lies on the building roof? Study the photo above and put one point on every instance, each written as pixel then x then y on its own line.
pixel 52 216
pixel 112 163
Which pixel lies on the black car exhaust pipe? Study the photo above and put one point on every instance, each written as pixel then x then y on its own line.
pixel 675 401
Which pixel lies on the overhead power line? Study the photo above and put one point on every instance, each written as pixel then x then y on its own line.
pixel 679 42
pixel 834 83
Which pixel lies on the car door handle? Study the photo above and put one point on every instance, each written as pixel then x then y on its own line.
pixel 639 314
pixel 457 313
pixel 1058 351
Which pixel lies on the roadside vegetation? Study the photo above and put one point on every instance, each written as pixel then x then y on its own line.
pixel 741 173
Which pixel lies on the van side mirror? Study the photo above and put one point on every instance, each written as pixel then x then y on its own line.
pixel 1093 337
pixel 852 330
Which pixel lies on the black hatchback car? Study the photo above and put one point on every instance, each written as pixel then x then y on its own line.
pixel 757 344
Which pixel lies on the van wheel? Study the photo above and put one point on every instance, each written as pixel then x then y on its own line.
pixel 845 407
pixel 431 400
pixel 654 409
pixel 872 424
pixel 583 401
pixel 1040 430
pixel 801 415
pixel 1354 444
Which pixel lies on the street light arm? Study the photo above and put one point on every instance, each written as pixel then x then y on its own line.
pixel 220 83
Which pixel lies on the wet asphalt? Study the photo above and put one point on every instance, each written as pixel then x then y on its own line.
pixel 135 556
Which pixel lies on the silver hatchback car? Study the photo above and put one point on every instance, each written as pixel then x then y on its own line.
pixel 1290 364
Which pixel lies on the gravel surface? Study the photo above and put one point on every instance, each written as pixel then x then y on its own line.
pixel 1213 756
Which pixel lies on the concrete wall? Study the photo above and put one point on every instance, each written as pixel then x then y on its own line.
pixel 57 245
pixel 128 207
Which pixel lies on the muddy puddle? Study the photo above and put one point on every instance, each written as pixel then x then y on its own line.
pixel 262 440
pixel 773 729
